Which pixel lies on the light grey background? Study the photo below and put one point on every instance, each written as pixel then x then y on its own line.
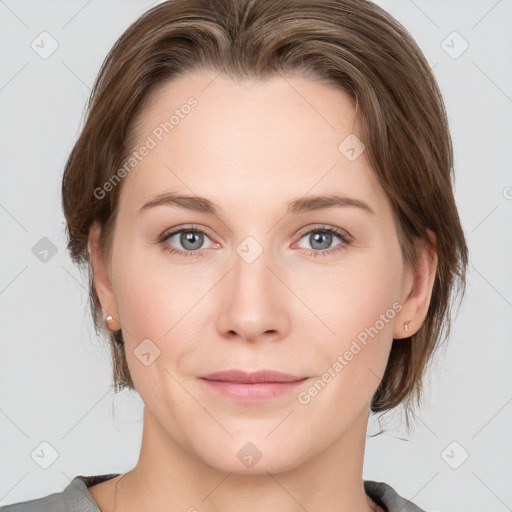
pixel 54 372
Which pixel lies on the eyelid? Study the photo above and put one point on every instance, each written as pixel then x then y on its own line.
pixel 186 227
pixel 307 229
pixel 327 227
pixel 168 233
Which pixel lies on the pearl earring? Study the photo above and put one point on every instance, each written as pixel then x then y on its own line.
pixel 406 325
pixel 108 318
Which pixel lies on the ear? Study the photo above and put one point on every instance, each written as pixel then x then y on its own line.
pixel 417 290
pixel 101 278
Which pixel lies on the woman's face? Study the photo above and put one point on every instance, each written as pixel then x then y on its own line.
pixel 258 284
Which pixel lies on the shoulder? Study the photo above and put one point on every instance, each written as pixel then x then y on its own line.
pixel 74 498
pixel 385 496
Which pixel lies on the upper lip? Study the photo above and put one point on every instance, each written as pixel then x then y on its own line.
pixel 257 376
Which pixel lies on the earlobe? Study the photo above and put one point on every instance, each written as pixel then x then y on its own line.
pixel 102 282
pixel 418 291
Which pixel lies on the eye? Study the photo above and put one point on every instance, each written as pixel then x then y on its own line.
pixel 190 241
pixel 320 240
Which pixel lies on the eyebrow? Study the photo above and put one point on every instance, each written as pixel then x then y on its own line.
pixel 300 205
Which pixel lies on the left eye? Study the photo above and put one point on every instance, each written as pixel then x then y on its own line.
pixel 320 239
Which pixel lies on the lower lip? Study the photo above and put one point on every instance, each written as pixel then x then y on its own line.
pixel 253 392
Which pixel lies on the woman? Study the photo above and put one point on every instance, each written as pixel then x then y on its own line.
pixel 262 194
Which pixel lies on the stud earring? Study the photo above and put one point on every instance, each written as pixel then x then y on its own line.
pixel 108 318
pixel 406 325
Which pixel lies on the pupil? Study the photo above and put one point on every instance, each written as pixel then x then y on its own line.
pixel 318 237
pixel 189 238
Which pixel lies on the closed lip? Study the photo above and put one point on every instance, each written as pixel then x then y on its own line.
pixel 251 377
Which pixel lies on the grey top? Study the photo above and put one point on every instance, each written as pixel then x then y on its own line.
pixel 76 498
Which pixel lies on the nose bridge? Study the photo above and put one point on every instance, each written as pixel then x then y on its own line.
pixel 251 304
pixel 251 275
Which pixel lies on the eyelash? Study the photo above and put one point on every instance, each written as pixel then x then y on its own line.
pixel 345 239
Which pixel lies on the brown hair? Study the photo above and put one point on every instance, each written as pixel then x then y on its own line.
pixel 353 44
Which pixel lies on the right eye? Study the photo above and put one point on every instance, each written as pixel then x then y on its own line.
pixel 190 238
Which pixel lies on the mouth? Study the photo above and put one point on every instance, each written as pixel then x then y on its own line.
pixel 255 386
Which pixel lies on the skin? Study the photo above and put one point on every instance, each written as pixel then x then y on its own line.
pixel 251 148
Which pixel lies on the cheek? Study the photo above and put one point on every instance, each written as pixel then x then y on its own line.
pixel 345 299
pixel 153 295
pixel 164 304
pixel 355 311
pixel 352 361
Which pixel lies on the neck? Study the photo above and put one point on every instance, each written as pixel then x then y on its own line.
pixel 168 477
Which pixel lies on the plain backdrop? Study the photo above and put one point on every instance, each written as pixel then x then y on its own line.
pixel 54 371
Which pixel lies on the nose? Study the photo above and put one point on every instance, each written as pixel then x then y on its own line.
pixel 253 302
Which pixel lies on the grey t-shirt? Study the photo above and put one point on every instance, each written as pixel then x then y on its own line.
pixel 76 498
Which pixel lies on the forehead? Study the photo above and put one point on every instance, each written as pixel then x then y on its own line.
pixel 250 140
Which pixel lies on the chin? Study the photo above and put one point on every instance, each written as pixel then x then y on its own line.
pixel 251 455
